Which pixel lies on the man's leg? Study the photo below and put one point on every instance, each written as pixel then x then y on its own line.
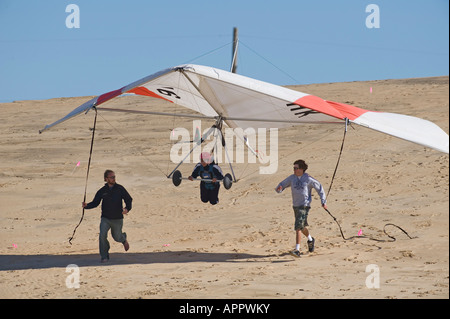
pixel 305 231
pixel 214 195
pixel 117 234
pixel 298 238
pixel 298 226
pixel 103 239
pixel 203 193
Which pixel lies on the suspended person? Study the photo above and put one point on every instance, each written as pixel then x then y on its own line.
pixel 111 195
pixel 301 185
pixel 207 169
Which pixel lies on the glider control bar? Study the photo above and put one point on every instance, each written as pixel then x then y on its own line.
pixel 177 178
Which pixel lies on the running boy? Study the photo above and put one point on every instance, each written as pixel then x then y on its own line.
pixel 301 185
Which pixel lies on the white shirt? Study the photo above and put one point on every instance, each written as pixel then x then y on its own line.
pixel 301 187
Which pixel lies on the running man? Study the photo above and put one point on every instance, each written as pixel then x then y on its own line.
pixel 111 196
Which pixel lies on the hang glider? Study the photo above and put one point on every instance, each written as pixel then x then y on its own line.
pixel 244 102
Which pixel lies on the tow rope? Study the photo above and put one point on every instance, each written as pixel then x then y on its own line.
pixel 87 176
pixel 392 239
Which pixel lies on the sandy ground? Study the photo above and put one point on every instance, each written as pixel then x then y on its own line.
pixel 182 248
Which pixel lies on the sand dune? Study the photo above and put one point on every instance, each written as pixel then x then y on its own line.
pixel 182 248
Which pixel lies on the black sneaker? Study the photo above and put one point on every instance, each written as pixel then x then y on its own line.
pixel 311 245
pixel 295 253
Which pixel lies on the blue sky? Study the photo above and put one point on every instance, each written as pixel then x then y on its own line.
pixel 282 42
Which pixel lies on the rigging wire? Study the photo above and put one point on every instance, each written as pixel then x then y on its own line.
pixel 133 144
pixel 272 64
pixel 289 154
pixel 173 126
pixel 208 53
pixel 248 47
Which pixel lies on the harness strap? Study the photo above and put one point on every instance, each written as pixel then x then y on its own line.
pixel 208 185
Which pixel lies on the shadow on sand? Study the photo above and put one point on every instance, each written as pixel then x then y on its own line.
pixel 22 262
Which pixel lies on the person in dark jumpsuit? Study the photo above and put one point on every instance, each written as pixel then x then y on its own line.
pixel 207 169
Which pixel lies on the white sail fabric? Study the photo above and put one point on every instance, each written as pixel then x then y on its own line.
pixel 245 102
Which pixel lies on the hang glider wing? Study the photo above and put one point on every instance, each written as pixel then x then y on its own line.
pixel 245 102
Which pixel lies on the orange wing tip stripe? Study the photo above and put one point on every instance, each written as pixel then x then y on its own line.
pixel 144 91
pixel 108 96
pixel 335 109
pixel 349 111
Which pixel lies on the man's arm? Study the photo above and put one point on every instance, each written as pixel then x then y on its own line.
pixel 319 189
pixel 127 199
pixel 217 172
pixel 195 171
pixel 95 202
pixel 284 184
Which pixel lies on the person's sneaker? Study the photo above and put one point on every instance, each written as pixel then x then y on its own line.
pixel 311 245
pixel 126 245
pixel 295 253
